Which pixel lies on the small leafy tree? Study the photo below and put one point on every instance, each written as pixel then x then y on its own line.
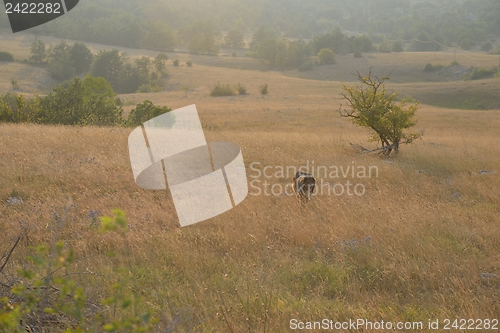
pixel 90 101
pixel 38 52
pixel 143 64
pixel 326 56
pixel 234 39
pixel 145 111
pixel 221 89
pixel 18 108
pixel 81 57
pixel 159 62
pixel 14 83
pixel 60 63
pixel 372 107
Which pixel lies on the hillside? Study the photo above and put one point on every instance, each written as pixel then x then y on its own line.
pixel 422 243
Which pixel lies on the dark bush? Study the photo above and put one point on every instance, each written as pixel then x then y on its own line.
pixel 6 56
pixel 326 57
pixel 306 66
pixel 242 90
pixel 429 68
pixel 144 112
pixel 478 73
pixel 263 89
pixel 397 47
pixel 487 47
pixel 220 89
pixel 90 101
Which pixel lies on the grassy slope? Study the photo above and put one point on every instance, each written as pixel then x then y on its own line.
pixel 405 69
pixel 272 259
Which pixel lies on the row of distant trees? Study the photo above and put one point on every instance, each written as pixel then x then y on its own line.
pixel 278 51
pixel 65 61
pixel 158 26
pixel 87 101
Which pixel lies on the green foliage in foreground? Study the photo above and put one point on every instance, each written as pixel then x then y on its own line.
pixel 46 297
pixel 241 88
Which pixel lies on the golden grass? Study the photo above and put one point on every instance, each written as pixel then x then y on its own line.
pixel 271 259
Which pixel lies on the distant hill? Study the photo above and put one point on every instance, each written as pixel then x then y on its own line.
pixel 156 24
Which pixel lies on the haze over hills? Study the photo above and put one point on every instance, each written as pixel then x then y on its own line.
pixel 125 22
pixel 420 244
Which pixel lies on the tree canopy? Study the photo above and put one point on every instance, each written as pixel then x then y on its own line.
pixel 372 107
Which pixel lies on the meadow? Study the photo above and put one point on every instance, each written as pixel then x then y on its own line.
pixel 422 243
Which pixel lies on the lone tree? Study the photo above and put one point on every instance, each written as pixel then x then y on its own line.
pixel 370 106
pixel 38 52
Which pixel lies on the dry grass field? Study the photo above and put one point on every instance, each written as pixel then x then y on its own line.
pixel 413 248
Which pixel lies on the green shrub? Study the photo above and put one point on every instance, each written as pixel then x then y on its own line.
pixel 18 108
pixel 6 56
pixel 144 112
pixel 154 76
pixel 397 47
pixel 251 54
pixel 242 89
pixel 175 62
pixel 149 87
pixel 358 54
pixel 264 89
pixel 220 89
pixel 326 56
pixel 496 51
pixel 46 297
pixel 234 54
pixel 478 73
pixel 429 68
pixel 306 66
pixel 14 83
pixel 410 99
pixel 454 63
pixel 486 47
pixel 385 47
pixel 90 101
pixel 189 63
